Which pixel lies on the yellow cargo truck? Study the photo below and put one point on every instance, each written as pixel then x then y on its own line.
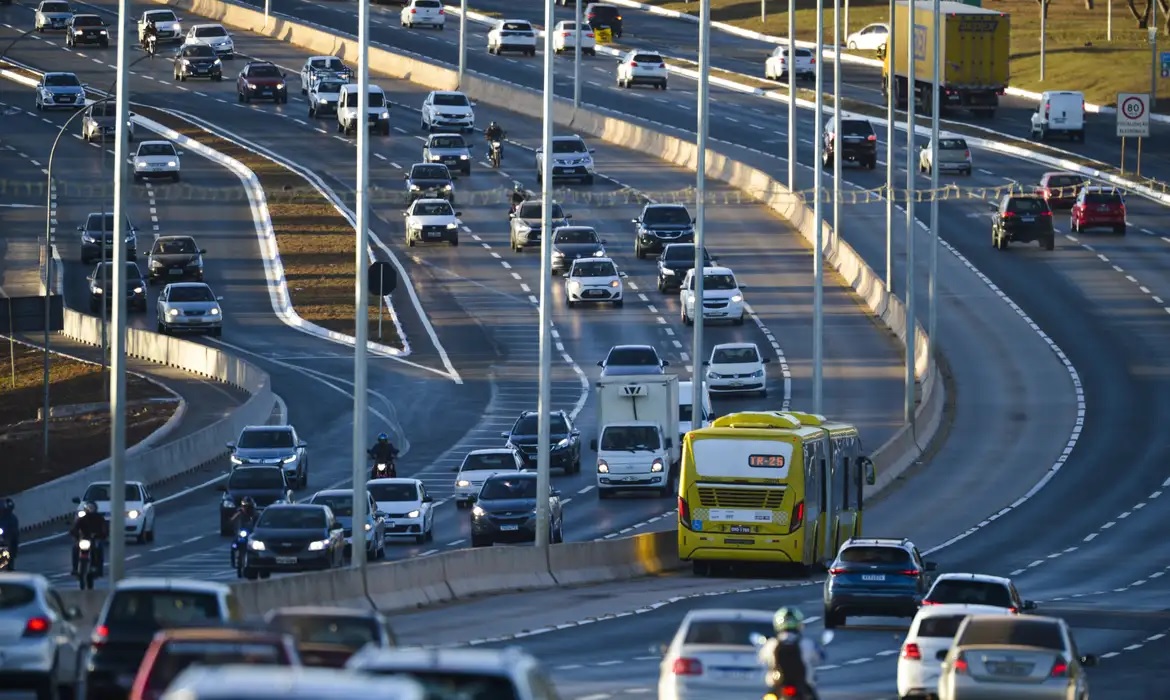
pixel 975 46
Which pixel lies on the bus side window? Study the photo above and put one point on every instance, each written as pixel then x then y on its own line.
pixel 848 478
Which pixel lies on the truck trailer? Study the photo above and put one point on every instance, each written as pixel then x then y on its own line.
pixel 975 47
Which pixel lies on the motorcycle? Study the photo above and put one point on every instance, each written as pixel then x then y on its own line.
pixel 237 554
pixel 5 553
pixel 789 690
pixel 496 153
pixel 384 470
pixel 85 563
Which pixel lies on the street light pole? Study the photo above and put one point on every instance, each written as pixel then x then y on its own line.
pixel 703 108
pixel 790 64
pixel 462 40
pixel 911 173
pixel 544 395
pixel 932 283
pixel 1044 33
pixel 891 136
pixel 577 58
pixel 836 235
pixel 361 327
pixel 819 214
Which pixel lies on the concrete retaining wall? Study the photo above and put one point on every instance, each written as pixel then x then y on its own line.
pixel 52 501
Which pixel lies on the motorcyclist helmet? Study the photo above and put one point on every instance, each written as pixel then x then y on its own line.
pixel 788 620
pixel 493 126
pixel 383 438
pixel 89 508
pixel 518 188
pixel 248 503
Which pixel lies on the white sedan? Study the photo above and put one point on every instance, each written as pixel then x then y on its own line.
pixel 478 465
pixel 156 159
pixel 139 507
pixel 868 38
pixel 715 639
pixel 409 509
pixel 593 280
pixel 428 13
pixel 737 368
pixel 565 37
pixel 515 35
pixel 215 36
pixel 432 221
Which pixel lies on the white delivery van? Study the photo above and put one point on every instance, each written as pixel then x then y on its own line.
pixel 686 408
pixel 1060 113
pixel 638 446
pixel 377 110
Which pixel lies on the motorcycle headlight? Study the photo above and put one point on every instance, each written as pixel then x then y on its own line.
pixel 236 460
pixel 80 513
pixel 562 444
pixel 289 460
pixel 175 312
pixel 463 483
pixel 414 514
pixel 132 514
pixel 84 545
pixel 369 527
pixel 478 511
pixel 256 545
pixel 599 253
pixel 602 467
pixel 318 545
pixel 243 533
pixel 657 466
pixel 737 298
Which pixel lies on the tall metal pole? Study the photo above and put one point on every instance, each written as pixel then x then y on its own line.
pixel 845 24
pixel 1044 33
pixel 703 107
pixel 819 215
pixel 836 235
pixel 361 327
pixel 118 289
pixel 544 399
pixel 911 172
pixel 577 57
pixel 763 12
pixel 790 63
pixel 891 137
pixel 50 193
pixel 1153 55
pixel 932 283
pixel 462 40
pixel 1109 21
pixel 267 9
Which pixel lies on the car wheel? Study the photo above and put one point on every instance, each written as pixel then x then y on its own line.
pixel 687 321
pixel 480 542
pixel 661 286
pixel 638 252
pixel 1072 225
pixel 701 568
pixel 604 494
pixel 1050 243
pixel 467 170
pixel 618 303
pixel 833 619
pixel 739 321
pixel 569 302
pixel 141 537
pixel 1119 229
pixel 852 46
pixel 420 538
pixel 409 242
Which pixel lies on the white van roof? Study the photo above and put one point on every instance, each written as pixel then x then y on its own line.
pixel 353 87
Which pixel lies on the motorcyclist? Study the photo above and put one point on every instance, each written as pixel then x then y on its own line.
pixel 150 38
pixel 89 525
pixel 519 196
pixel 9 530
pixel 791 657
pixel 494 132
pixel 384 452
pixel 245 516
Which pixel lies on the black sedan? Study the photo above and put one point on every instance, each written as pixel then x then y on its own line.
pixel 676 260
pixel 572 242
pixel 294 538
pixel 101 282
pixel 265 485
pixel 197 61
pixel 174 259
pixel 430 181
pixel 505 511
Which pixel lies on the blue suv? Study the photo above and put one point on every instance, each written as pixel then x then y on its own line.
pixel 876 577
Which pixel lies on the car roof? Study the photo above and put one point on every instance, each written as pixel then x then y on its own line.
pixel 353 87
pixel 586 260
pixel 156 142
pixel 189 285
pixel 1103 189
pixel 983 578
pixel 23 578
pixel 268 428
pixel 395 480
pixel 735 346
pixel 500 661
pixel 217 633
pixel 209 25
pixel 448 92
pixel 960 609
pixel 291 682
pixel 190 585
pixel 573 137
pixel 439 165
pixel 716 270
pixel 704 614
pixel 523 21
pixel 432 200
pixel 158 11
pixel 333 492
pixel 666 206
pixel 492 451
pixel 59 72
pixel 107 483
pixel 877 542
pixel 630 347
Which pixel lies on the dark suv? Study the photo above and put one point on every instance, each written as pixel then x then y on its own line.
pixel 660 224
pixel 858 143
pixel 676 261
pixel 97 238
pixel 1022 218
pixel 600 14
pixel 261 80
pixel 564 439
pixel 875 577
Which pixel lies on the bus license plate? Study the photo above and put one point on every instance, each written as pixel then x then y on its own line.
pixel 873 577
pixel 739 529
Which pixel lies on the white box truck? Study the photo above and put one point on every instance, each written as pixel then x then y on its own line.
pixel 638 446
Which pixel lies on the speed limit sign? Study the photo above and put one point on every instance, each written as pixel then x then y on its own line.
pixel 1133 114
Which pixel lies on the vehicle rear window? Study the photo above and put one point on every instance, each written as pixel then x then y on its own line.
pixel 14 595
pixel 351 632
pixel 1102 198
pixel 952 144
pixel 161 609
pixel 517 27
pixel 971 593
pixel 456 684
pixel 648 58
pixel 488 461
pixel 856 127
pixel 428 3
pixel 176 656
pixel 603 10
pixel 940 626
pixel 1027 205
pixel 1064 181
pixel 731 632
pixel 875 555
pixel 1013 630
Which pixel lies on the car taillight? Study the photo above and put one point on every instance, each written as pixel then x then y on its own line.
pixel 633 64
pixel 442 11
pixel 788 691
pixel 812 60
pixel 1009 215
pixel 662 65
pixel 837 571
pixel 966 154
pixel 960 664
pixel 1047 212
pixel 929 602
pixel 797 517
pixel 910 572
pixel 1013 611
pixel 413 11
pixel 871 137
pixel 100 635
pixel 684 512
pixel 36 626
pixel 912 652
pixel 619 18
pixel 1046 192
pixel 1047 109
pixel 565 35
pixel 687 667
pixel 1059 668
pixel 589 35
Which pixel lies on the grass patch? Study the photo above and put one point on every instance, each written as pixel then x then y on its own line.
pixel 316 242
pixel 75 442
pixel 1079 56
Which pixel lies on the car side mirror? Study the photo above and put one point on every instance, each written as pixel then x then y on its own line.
pixel 666 363
pixel 942 654
pixel 336 526
pixel 1030 605
pixel 593 150
pixel 77 500
pixel 219 298
pixel 380 514
pixel 623 275
pixel 868 468
pixel 302 444
pixel 601 363
pixel 766 360
pixel 565 275
pixel 743 286
pixel 1089 660
pixel 658 649
pixel 706 363
pixel 73 613
pixel 230 445
pixel 406 176
pixel 149 499
pixel 221 487
pixel 931 566
pixel 633 221
pixel 458 213
pixel 568 216
pixel 592 446
pixel 428 499
pixel 505 434
pixel 472 499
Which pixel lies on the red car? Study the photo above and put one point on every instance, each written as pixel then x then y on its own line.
pixel 1098 207
pixel 261 80
pixel 172 651
pixel 1060 189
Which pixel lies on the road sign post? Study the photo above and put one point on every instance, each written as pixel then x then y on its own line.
pixel 1133 119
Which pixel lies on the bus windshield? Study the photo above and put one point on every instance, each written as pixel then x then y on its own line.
pixel 737 458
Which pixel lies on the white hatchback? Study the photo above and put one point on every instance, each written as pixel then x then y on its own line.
pixel 931 632
pixel 139 507
pixel 512 35
pixel 428 13
pixel 641 68
pixel 737 368
pixel 478 465
pixel 410 511
pixel 156 159
pixel 722 296
pixel 593 280
pixel 712 656
pixel 776 66
pixel 215 36
pixel 566 34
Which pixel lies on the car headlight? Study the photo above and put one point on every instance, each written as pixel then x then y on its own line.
pixel 463 157
pixel 737 298
pixel 524 227
pixel 322 100
pixel 87 238
pixel 447 187
pixel 602 467
pixel 243 533
pixel 172 164
pixel 251 86
pixel 477 511
pixel 657 466
pixel 415 226
pixel 138 290
pixel 280 86
pixel 214 312
pixel 463 483
pixel 139 164
pixel 318 545
pixel 186 62
pixel 384 115
pixel 369 527
pixel 713 375
pixel 78 32
pixel 414 188
pixel 599 253
pixel 758 373
pixel 103 32
pixel 132 514
pixel 236 460
pixel 289 460
pixel 256 545
pixel 175 312
pixel 615 284
pixel 97 290
pixel 217 62
pixel 436 159
pixel 414 514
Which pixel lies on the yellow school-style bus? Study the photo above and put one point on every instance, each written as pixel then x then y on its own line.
pixel 764 486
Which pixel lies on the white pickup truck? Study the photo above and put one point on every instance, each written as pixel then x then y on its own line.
pixel 638 448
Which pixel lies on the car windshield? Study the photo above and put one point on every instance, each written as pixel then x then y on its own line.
pixel 263 71
pixel 191 293
pixel 154 609
pixel 667 215
pixel 527 425
pixel 682 252
pixel 174 246
pixel 329 86
pixel 433 209
pixel 451 99
pixel 727 632
pixel 393 492
pixel 508 489
pixel 295 518
pixel 161 16
pixel 176 655
pixel 1102 198
pixel 943 626
pixel 87 21
pixel 875 555
pixel 569 146
pixel 971 593
pixel 647 58
pixel 1026 205
pixel 62 80
pixel 15 595
pixel 333 64
pixel 1013 630
pixel 430 172
pixel 632 357
pixel 594 268
pixel 94 222
pixel 952 144
pixel 253 478
pixel 55 7
pixel 856 127
pixel 731 356
pixel 488 460
pixel 348 631
pixel 156 149
pixel 265 439
pixel 718 281
pixel 448 142
pixel 456 684
pixel 101 492
pixel 133 274
pixel 376 99
pixel 103 109
pixel 576 235
pixel 630 437
pixel 517 27
pixel 535 210
pixel 340 504
pixel 210 31
pixel 198 51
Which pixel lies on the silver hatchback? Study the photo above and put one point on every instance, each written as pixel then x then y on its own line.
pixel 953 155
pixel 40 646
pixel 189 307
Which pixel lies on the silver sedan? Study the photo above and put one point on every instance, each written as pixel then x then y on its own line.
pixel 189 307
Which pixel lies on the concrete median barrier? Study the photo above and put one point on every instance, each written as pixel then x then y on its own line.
pixel 472 572
pixel 413 583
pixel 649 554
pixel 53 501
